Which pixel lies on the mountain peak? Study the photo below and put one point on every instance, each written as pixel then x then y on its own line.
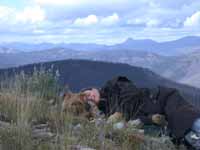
pixel 191 37
pixel 129 40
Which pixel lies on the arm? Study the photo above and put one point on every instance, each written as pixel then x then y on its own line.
pixel 156 119
pixel 146 120
pixel 117 116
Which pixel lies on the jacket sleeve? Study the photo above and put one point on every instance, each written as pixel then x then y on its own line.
pixel 147 120
pixel 146 105
pixel 115 92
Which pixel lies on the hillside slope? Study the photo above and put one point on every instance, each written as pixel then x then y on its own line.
pixel 79 74
pixel 181 69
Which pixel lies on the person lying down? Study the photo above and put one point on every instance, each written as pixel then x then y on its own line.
pixel 76 105
pixel 120 98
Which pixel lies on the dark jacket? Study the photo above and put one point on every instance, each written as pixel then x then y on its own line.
pixel 180 114
pixel 121 95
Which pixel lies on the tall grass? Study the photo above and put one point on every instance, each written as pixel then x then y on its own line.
pixel 24 101
pixel 28 100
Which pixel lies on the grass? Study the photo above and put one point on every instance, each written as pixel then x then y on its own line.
pixel 27 100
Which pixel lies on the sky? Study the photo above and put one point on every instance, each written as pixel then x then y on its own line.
pixel 97 21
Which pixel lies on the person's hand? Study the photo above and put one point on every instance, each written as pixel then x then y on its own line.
pixel 159 119
pixel 117 116
pixel 137 123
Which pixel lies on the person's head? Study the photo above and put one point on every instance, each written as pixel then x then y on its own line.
pixel 92 94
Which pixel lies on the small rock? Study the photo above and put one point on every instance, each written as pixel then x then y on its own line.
pixel 137 123
pixel 51 101
pixel 4 124
pixel 98 122
pixel 40 126
pixel 78 147
pixel 77 127
pixel 119 125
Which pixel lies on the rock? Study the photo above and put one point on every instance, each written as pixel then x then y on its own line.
pixel 119 125
pixel 51 101
pixel 135 123
pixel 40 134
pixel 78 126
pixel 98 122
pixel 4 124
pixel 40 126
pixel 78 147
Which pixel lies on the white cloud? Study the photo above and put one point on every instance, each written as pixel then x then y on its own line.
pixel 110 20
pixel 31 15
pixel 72 9
pixel 26 21
pixel 89 20
pixel 97 20
pixel 12 16
pixel 104 19
pixel 38 31
pixel 135 21
pixel 79 2
pixel 61 2
pixel 5 12
pixel 6 15
pixel 152 23
pixel 193 21
pixel 147 22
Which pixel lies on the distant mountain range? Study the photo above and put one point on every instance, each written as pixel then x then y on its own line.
pixel 176 47
pixel 182 67
pixel 79 74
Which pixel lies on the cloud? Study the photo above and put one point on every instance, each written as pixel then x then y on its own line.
pixel 97 20
pixel 72 9
pixel 61 2
pixel 110 20
pixel 6 14
pixel 146 22
pixel 193 21
pixel 31 15
pixel 13 17
pixel 28 21
pixel 105 20
pixel 159 13
pixel 89 20
pixel 152 23
pixel 79 2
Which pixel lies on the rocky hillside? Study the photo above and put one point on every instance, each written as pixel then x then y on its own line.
pixel 183 69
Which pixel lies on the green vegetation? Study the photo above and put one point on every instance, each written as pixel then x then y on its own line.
pixel 31 119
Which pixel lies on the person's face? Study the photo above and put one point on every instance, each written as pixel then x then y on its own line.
pixel 92 95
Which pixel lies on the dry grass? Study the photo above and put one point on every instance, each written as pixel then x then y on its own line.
pixel 29 100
